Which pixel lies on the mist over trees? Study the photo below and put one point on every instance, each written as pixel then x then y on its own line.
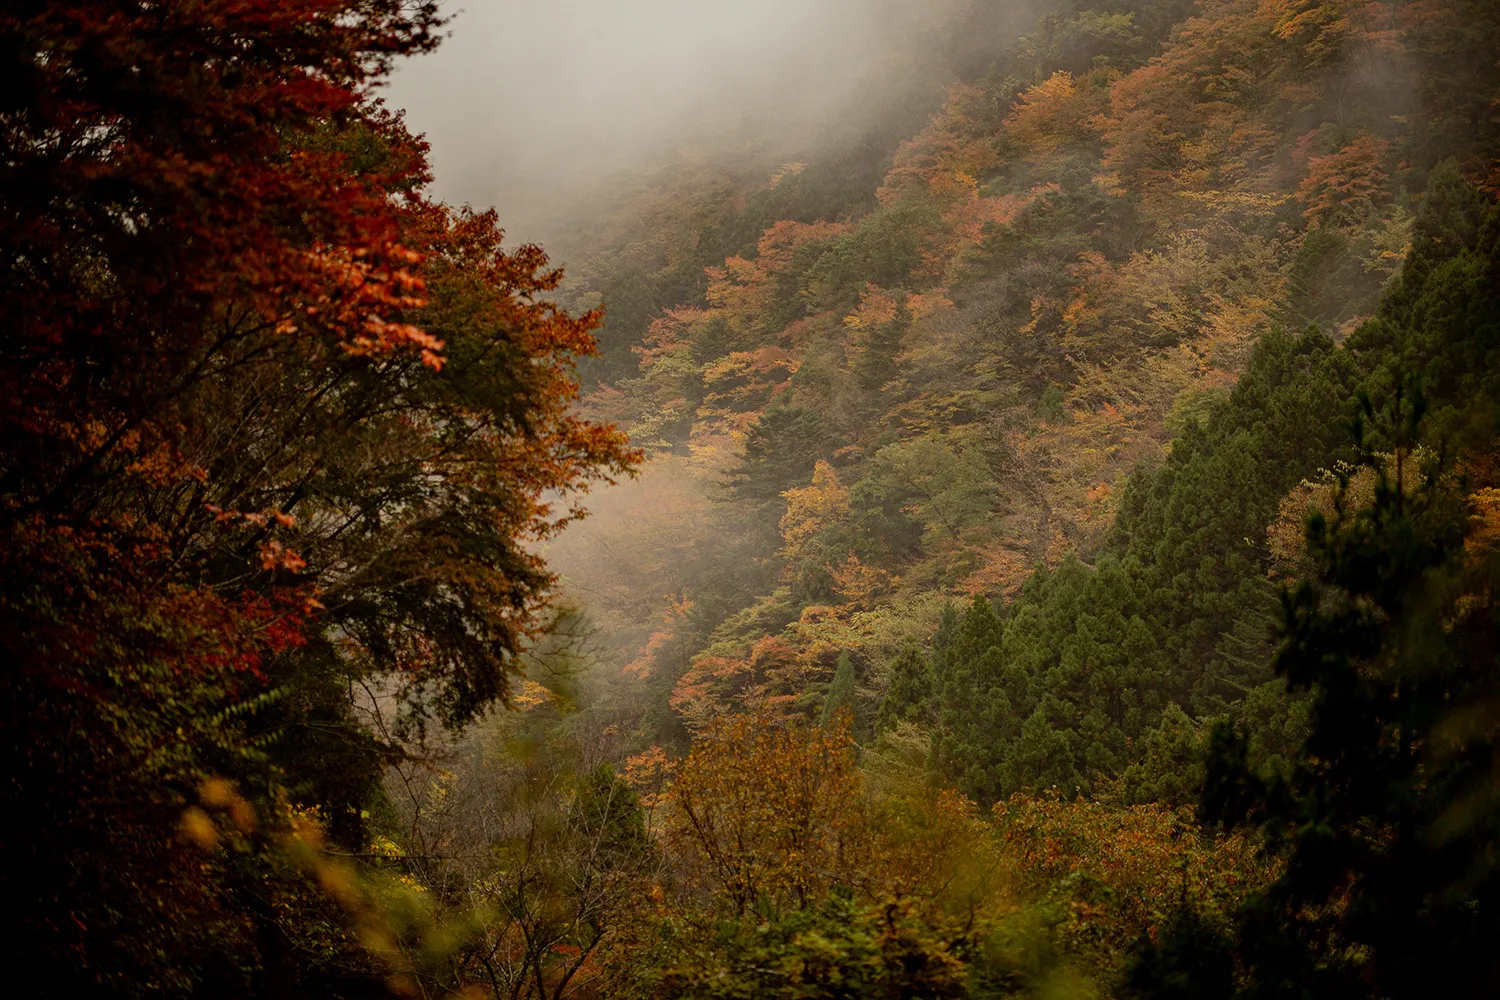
pixel 1022 523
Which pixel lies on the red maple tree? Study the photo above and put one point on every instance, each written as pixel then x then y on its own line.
pixel 272 426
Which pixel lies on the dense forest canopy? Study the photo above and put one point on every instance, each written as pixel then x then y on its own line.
pixel 1042 541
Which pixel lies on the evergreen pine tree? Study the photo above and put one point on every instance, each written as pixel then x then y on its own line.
pixel 908 697
pixel 942 643
pixel 876 364
pixel 1040 758
pixel 977 720
pixel 1387 822
pixel 840 695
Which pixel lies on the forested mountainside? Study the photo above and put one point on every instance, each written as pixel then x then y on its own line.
pixel 1076 354
pixel 1044 537
pixel 1008 452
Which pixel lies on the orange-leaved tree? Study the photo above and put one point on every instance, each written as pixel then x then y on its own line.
pixel 1347 186
pixel 272 428
pixel 767 812
pixel 1115 875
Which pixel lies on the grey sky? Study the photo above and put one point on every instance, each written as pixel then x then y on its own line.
pixel 530 100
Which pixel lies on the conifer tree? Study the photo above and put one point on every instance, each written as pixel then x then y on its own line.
pixel 840 695
pixel 1041 757
pixel 977 719
pixel 876 365
pixel 942 643
pixel 1387 821
pixel 908 697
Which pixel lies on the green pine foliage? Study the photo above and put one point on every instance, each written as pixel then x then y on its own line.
pixel 1383 811
pixel 840 697
pixel 1096 672
pixel 983 429
pixel 1386 820
pixel 909 692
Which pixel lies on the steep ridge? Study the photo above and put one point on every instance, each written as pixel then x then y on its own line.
pixel 1053 359
pixel 1067 560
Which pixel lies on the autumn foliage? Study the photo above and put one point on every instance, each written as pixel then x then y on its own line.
pixel 770 811
pixel 984 433
pixel 274 425
pixel 1001 435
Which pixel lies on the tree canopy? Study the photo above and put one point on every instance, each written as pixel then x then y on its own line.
pixel 1058 557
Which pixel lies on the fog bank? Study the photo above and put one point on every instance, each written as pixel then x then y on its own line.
pixel 529 103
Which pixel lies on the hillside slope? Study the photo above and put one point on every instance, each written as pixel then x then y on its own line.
pixel 1022 366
